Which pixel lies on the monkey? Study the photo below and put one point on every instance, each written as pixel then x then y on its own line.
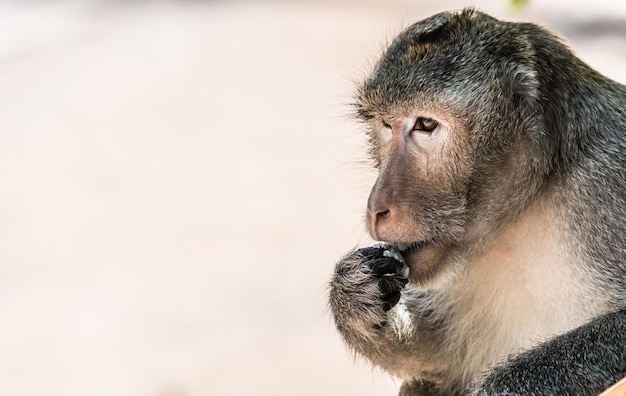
pixel 500 207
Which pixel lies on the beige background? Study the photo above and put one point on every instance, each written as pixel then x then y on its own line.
pixel 179 178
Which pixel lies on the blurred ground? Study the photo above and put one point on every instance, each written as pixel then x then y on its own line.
pixel 178 179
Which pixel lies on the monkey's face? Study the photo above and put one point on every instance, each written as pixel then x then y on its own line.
pixel 450 125
pixel 419 201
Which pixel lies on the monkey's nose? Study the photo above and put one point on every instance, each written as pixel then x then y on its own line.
pixel 380 220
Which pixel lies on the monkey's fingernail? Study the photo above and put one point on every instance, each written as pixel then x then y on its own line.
pixel 404 272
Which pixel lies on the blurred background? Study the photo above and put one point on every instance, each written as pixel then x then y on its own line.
pixel 178 179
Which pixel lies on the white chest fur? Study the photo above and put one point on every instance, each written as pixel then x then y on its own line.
pixel 523 290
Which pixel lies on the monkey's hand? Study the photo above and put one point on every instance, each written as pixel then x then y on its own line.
pixel 366 284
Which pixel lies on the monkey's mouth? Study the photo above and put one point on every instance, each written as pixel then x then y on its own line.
pixel 420 257
pixel 408 248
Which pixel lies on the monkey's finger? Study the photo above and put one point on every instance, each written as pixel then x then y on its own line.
pixel 371 252
pixel 390 300
pixel 384 266
pixel 403 279
pixel 389 284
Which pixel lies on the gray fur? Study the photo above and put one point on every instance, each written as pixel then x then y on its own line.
pixel 543 143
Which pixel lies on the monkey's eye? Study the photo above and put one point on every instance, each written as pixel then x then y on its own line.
pixel 386 125
pixel 425 124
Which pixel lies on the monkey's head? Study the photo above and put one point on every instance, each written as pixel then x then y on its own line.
pixel 456 134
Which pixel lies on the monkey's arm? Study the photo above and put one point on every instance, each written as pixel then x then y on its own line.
pixel 585 361
pixel 364 295
pixel 365 286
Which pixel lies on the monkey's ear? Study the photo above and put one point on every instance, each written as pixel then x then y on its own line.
pixel 431 26
pixel 524 84
pixel 439 25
